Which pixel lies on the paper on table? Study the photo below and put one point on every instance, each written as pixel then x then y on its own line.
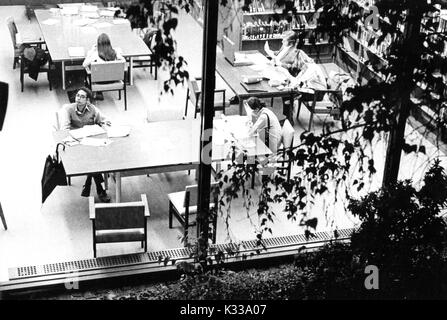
pixel 76 51
pixel 50 22
pixel 94 142
pixel 107 13
pixel 86 131
pixel 89 8
pixel 120 21
pixel 93 15
pixel 69 141
pixel 70 10
pixel 118 131
pixel 82 22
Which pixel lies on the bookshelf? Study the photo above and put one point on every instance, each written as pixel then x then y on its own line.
pixel 263 21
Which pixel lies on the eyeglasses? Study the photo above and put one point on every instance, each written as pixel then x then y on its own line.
pixel 81 96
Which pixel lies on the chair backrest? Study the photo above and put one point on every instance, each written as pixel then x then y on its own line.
pixel 194 90
pixel 107 71
pixel 191 193
pixel 113 216
pixel 12 30
pixel 287 134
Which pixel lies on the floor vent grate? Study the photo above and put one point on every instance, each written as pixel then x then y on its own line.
pixel 75 266
pixel 169 255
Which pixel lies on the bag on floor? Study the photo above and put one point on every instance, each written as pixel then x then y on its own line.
pixel 53 174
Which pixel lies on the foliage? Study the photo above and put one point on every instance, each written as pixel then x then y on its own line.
pixel 403 234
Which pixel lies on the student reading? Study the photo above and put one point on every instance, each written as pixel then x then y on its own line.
pixel 77 115
pixel 265 123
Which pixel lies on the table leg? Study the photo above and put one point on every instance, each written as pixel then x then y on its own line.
pixel 63 75
pixel 131 71
pixel 118 186
pixel 2 216
pixel 241 105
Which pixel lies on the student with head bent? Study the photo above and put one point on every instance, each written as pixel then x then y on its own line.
pixel 78 114
pixel 285 56
pixel 265 123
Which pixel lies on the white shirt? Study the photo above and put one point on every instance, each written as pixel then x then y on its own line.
pixel 93 56
pixel 260 124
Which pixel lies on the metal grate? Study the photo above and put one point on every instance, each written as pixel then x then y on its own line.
pixel 79 265
pixel 171 254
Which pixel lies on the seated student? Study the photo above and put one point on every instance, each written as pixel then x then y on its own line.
pixel 305 76
pixel 100 52
pixel 77 115
pixel 309 74
pixel 285 56
pixel 265 123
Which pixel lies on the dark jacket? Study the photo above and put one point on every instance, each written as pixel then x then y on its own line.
pixel 33 66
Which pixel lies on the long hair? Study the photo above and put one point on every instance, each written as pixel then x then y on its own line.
pixel 105 50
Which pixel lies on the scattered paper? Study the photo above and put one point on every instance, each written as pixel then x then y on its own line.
pixel 107 13
pixel 95 142
pixel 82 22
pixel 50 22
pixel 69 141
pixel 121 21
pixel 93 15
pixel 76 51
pixel 89 8
pixel 118 131
pixel 86 131
pixel 70 10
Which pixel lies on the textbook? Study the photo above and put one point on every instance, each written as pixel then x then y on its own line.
pixel 256 87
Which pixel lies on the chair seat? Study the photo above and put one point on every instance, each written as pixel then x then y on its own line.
pixel 121 235
pixel 116 85
pixel 178 198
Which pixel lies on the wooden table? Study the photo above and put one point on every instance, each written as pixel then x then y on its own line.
pixel 64 33
pixel 151 148
pixel 233 77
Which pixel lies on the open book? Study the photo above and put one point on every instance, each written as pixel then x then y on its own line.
pixel 86 131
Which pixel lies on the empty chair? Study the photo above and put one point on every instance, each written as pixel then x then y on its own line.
pixel 318 106
pixel 119 222
pixel 183 205
pixel 193 94
pixel 13 32
pixel 109 76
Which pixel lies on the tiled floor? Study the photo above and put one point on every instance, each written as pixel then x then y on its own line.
pixel 60 229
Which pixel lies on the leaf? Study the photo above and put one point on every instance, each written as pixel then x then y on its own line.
pixel 312 223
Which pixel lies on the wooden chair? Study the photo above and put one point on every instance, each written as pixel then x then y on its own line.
pixel 109 76
pixel 183 205
pixel 193 94
pixel 318 106
pixel 24 69
pixel 13 32
pixel 2 217
pixel 119 222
